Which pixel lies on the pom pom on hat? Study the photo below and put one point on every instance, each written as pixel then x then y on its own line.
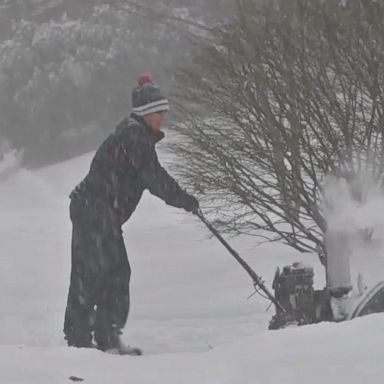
pixel 144 78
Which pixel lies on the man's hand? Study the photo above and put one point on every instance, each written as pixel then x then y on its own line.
pixel 191 204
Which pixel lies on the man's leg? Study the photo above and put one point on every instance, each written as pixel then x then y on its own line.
pixel 80 303
pixel 86 270
pixel 113 300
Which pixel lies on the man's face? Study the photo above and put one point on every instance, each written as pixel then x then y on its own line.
pixel 155 120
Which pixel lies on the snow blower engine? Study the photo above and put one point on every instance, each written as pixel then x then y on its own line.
pixel 302 304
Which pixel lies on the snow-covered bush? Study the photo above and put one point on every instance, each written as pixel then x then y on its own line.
pixel 64 73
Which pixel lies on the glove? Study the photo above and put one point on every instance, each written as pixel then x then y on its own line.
pixel 191 204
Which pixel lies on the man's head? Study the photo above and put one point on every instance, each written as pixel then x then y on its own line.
pixel 149 103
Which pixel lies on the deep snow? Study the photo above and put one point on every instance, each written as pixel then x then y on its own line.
pixel 189 312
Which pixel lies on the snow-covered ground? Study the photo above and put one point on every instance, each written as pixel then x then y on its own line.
pixel 190 312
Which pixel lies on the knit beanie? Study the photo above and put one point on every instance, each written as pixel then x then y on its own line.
pixel 146 97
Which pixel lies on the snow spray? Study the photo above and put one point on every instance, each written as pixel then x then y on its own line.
pixel 354 211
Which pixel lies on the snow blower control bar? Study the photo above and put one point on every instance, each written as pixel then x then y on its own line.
pixel 257 281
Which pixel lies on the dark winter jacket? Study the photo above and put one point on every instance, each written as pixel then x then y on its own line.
pixel 125 165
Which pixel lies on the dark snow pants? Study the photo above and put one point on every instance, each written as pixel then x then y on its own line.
pixel 98 298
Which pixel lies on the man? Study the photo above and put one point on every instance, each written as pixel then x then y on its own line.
pixel 124 166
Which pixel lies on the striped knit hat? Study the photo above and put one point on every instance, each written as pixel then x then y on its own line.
pixel 146 97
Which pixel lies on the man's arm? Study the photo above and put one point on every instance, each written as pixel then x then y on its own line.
pixel 141 156
pixel 157 180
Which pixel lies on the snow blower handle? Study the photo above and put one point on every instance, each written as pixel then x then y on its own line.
pixel 256 279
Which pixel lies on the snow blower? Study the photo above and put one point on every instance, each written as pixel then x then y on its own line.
pixel 295 299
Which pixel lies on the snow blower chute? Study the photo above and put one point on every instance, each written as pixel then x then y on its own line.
pixel 295 299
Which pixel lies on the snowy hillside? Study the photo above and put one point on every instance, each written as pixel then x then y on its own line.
pixel 190 312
